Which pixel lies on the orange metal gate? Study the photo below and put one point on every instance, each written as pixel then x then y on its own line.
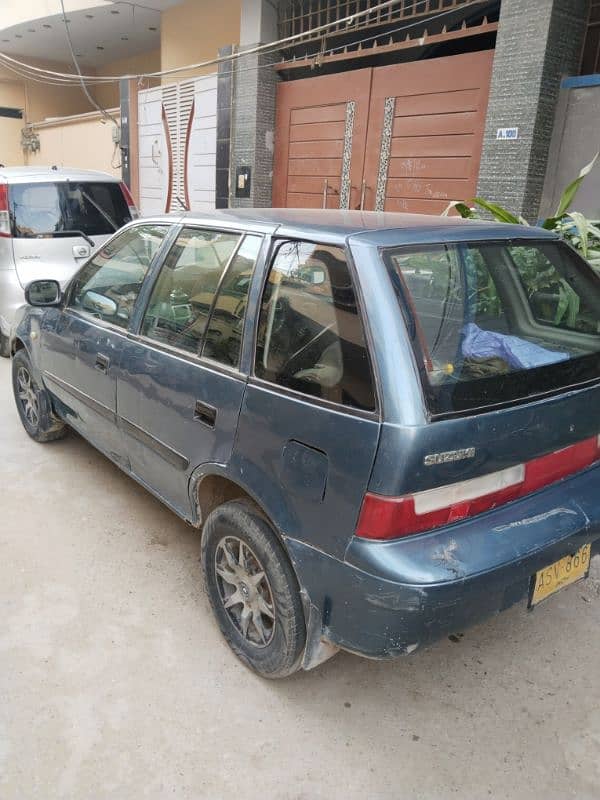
pixel 401 138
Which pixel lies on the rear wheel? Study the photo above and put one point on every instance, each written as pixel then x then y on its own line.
pixel 252 589
pixel 33 403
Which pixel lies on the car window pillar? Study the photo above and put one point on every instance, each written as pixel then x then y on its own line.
pixel 143 297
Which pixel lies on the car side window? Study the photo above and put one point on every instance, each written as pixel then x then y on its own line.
pixel 310 334
pixel 223 338
pixel 108 285
pixel 183 294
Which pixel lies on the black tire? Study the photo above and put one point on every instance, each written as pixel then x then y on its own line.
pixel 4 346
pixel 33 403
pixel 273 648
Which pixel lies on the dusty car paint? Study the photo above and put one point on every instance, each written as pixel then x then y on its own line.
pixel 172 420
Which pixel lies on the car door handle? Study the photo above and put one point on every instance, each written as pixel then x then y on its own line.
pixel 102 362
pixel 205 414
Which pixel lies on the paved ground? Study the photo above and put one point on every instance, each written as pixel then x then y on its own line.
pixel 115 683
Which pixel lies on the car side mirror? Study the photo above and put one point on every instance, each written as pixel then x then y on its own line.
pixel 99 304
pixel 43 293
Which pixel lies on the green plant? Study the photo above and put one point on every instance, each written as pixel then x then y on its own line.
pixel 572 226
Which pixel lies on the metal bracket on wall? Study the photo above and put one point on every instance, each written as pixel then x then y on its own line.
pixel 30 141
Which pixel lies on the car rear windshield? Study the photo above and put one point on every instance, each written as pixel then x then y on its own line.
pixel 498 322
pixel 44 209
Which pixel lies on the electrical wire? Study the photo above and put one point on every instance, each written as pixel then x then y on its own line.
pixel 96 105
pixel 251 51
pixel 22 73
pixel 33 73
pixel 269 46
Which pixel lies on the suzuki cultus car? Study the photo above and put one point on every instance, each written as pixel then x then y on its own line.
pixel 385 425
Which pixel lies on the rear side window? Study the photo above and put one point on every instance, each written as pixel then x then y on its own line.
pixel 310 334
pixel 54 209
pixel 498 322
pixel 183 295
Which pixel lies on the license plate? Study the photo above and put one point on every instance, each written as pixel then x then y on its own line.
pixel 560 574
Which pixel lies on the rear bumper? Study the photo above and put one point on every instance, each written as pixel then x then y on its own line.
pixel 389 598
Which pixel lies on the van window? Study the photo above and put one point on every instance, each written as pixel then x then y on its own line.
pixel 310 335
pixel 498 322
pixel 47 209
pixel 184 292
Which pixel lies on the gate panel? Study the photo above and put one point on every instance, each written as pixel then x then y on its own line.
pixel 177 146
pixel 153 153
pixel 321 129
pixel 426 125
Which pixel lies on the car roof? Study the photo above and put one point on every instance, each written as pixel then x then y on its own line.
pixel 373 227
pixel 54 174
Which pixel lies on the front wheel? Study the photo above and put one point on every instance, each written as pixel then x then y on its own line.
pixel 253 590
pixel 33 403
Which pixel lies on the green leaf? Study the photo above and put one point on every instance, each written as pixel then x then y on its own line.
pixel 551 223
pixel 572 304
pixel 562 305
pixel 499 213
pixel 582 227
pixel 569 193
pixel 462 208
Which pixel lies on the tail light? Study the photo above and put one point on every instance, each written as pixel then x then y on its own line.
pixel 133 212
pixel 393 517
pixel 5 230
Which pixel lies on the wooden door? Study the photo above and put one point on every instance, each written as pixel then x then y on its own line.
pixel 321 129
pixel 426 123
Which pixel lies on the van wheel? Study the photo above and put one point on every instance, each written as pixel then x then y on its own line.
pixel 33 403
pixel 252 589
pixel 4 346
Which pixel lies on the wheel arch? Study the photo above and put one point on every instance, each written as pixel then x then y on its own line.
pixel 16 345
pixel 211 485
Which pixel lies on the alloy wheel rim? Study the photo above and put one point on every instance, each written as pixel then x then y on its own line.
pixel 245 591
pixel 27 396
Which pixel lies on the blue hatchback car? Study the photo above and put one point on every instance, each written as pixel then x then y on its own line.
pixel 385 425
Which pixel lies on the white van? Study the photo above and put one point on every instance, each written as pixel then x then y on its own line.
pixel 51 220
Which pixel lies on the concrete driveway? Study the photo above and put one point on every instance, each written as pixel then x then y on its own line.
pixel 115 682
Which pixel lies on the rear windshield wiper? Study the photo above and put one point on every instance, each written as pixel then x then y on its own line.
pixel 43 234
pixel 100 210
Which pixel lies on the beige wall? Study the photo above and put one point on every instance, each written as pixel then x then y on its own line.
pixel 194 31
pixel 108 96
pixel 85 143
pixel 12 95
pixel 11 154
pixel 41 100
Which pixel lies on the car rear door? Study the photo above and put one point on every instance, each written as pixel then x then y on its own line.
pixel 82 342
pixel 180 386
pixel 309 425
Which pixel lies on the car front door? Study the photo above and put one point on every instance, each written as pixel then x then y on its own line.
pixel 82 342
pixel 180 387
